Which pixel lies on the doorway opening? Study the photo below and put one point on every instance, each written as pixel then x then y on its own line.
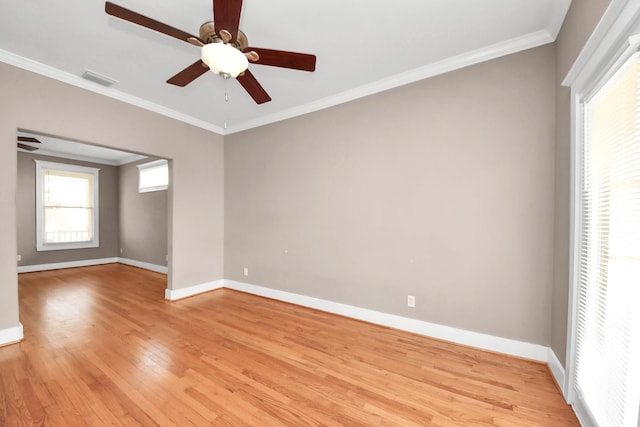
pixel 131 227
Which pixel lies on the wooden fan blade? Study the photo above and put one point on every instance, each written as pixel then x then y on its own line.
pixel 283 59
pixel 26 147
pixel 136 18
pixel 28 139
pixel 189 74
pixel 226 15
pixel 253 88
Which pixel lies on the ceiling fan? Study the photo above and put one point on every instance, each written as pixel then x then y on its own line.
pixel 22 139
pixel 225 49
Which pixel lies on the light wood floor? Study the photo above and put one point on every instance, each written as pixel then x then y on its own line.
pixel 102 347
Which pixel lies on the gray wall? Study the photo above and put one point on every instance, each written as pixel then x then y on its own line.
pixel 37 103
pixel 143 219
pixel 450 189
pixel 442 189
pixel 578 26
pixel 26 219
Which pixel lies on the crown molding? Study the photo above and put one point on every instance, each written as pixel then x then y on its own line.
pixel 488 53
pixel 609 39
pixel 72 79
pixel 89 159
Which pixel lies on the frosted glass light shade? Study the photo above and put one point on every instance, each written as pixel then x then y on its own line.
pixel 224 59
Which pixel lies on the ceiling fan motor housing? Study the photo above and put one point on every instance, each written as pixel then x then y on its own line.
pixel 208 34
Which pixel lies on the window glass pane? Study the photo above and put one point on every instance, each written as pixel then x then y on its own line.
pixel 67 224
pixel 67 206
pixel 68 198
pixel 67 189
pixel 153 176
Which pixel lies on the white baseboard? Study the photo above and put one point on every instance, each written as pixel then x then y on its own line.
pixel 175 294
pixel 69 264
pixel 460 336
pixel 147 266
pixel 90 262
pixel 557 370
pixel 474 339
pixel 11 335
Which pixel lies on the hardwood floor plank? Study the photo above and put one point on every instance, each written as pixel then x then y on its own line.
pixel 103 347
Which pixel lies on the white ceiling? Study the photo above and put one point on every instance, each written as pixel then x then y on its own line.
pixel 362 47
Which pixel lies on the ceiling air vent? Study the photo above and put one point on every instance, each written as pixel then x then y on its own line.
pixel 101 79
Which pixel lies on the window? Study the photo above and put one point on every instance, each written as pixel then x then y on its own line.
pixel 66 206
pixel 607 273
pixel 153 176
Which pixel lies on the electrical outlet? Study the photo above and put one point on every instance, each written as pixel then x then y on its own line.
pixel 121 251
pixel 246 271
pixel 19 257
pixel 411 301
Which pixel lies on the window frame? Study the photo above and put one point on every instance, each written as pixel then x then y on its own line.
pixel 614 41
pixel 586 109
pixel 150 165
pixel 41 165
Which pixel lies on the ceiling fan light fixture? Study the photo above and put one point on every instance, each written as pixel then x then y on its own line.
pixel 224 59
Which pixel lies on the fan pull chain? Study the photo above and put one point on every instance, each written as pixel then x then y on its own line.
pixel 226 101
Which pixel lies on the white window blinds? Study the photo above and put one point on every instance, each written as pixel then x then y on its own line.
pixel 607 376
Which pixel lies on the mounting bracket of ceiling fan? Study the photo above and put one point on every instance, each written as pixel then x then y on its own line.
pixel 223 30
